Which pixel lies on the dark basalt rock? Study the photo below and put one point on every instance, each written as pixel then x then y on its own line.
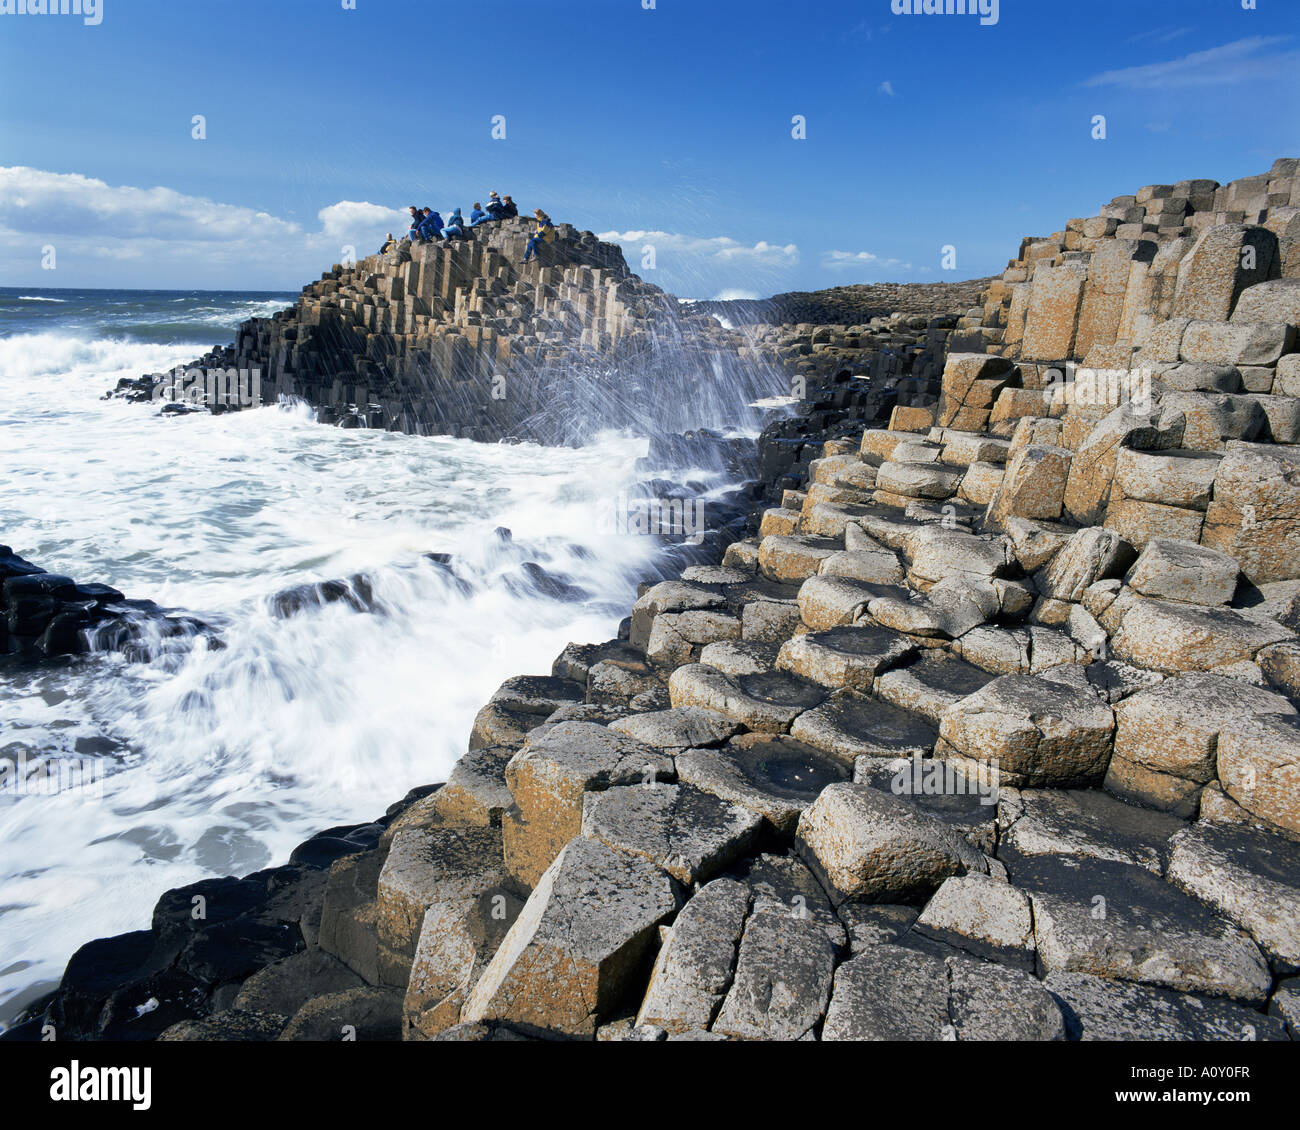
pixel 356 592
pixel 48 615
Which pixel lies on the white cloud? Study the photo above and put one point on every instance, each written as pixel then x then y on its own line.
pixel 718 248
pixel 861 261
pixel 1162 34
pixel 695 266
pixel 887 88
pixel 190 240
pixel 1244 60
pixel 344 219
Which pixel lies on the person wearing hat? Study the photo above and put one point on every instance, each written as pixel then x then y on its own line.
pixel 545 233
pixel 495 209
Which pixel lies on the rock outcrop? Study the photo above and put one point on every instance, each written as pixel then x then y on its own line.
pixel 988 732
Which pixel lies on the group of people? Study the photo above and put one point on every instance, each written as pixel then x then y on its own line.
pixel 428 225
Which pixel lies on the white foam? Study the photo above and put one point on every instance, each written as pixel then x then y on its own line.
pixel 223 765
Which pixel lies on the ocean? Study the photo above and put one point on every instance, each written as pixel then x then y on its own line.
pixel 220 761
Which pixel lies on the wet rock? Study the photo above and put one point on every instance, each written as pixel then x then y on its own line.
pixel 852 725
pixel 845 657
pixel 145 1008
pixel 771 775
pixel 92 974
pixel 1122 922
pixel 1251 878
pixel 283 987
pixel 1099 1009
pixel 355 592
pixel 232 1025
pixel 348 914
pixel 1083 824
pixel 931 685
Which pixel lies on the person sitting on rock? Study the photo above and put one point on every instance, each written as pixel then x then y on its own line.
pixel 455 228
pixel 477 215
pixel 431 228
pixel 545 233
pixel 495 209
pixel 509 209
pixel 417 218
pixel 390 244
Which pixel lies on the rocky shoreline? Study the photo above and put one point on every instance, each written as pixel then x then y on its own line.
pixel 988 730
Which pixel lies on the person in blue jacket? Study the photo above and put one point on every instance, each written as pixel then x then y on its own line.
pixel 417 218
pixel 455 228
pixel 495 209
pixel 477 215
pixel 431 227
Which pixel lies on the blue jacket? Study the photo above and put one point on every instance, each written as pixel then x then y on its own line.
pixel 433 221
pixel 477 214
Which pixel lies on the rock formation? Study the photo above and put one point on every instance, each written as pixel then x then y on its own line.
pixel 989 732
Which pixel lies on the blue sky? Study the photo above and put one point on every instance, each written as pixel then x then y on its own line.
pixel 669 126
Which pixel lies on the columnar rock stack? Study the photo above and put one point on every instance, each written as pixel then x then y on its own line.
pixel 462 338
pixel 990 733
